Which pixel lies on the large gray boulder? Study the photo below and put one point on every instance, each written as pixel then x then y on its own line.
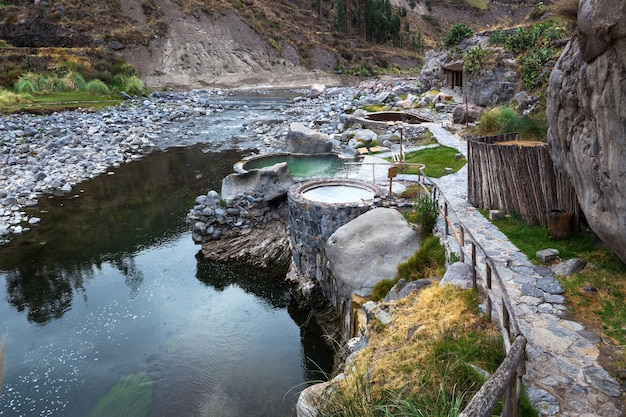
pixel 586 110
pixel 302 139
pixel 459 274
pixel 368 249
pixel 269 183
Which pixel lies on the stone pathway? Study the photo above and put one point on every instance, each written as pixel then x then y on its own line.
pixel 563 376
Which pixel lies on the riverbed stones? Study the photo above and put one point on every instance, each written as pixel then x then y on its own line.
pixel 359 258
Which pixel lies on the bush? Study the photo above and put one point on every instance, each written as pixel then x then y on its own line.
pixel 507 120
pixel 457 33
pixel 134 86
pixel 494 120
pixel 498 38
pixel 533 72
pixel 25 85
pixel 98 87
pixel 474 58
pixel 520 41
pixel 75 81
pixel 425 214
pixel 9 98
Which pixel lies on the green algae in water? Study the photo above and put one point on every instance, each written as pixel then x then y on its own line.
pixel 130 397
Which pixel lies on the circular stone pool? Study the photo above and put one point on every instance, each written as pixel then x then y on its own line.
pixel 338 194
pixel 317 208
pixel 335 191
pixel 300 165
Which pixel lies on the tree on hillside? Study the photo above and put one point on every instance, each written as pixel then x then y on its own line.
pixel 341 21
pixel 372 20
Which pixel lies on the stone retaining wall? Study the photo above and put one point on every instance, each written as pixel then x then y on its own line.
pixel 311 223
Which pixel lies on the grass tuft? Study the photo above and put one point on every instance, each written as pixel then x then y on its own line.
pixel 427 262
pixel 98 87
pixel 423 365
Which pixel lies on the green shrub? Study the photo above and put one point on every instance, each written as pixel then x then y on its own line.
pixel 521 40
pixel 9 98
pixel 75 81
pixel 124 68
pixel 494 120
pixel 98 87
pixel 456 34
pixel 508 120
pixel 25 85
pixel 498 38
pixel 48 83
pixel 533 72
pixel 474 58
pixel 134 86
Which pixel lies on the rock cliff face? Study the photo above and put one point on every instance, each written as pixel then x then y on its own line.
pixel 586 111
pixel 217 49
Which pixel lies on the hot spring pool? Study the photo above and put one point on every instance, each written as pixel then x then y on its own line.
pixel 300 165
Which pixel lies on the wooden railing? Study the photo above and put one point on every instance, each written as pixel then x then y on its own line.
pixel 505 384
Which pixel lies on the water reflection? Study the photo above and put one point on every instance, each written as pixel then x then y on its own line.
pixel 107 219
pixel 260 282
pixel 111 284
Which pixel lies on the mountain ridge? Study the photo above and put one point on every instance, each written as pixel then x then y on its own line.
pixel 187 43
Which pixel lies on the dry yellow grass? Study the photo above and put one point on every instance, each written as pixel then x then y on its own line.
pixel 400 356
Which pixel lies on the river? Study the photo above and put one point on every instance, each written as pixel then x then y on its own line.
pixel 109 287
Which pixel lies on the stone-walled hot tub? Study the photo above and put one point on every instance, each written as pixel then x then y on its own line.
pixel 317 208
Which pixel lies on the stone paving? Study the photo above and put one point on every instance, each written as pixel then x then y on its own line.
pixel 563 376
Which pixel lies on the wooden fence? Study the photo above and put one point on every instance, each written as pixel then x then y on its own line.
pixel 506 383
pixel 517 177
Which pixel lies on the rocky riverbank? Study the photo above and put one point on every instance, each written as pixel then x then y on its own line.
pixel 48 154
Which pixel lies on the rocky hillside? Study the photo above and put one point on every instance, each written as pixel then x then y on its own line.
pixel 193 42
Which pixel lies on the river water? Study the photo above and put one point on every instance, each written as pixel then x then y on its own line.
pixel 110 286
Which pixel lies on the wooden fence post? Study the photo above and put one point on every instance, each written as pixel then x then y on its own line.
pixel 445 213
pixel 489 306
pixel 474 266
pixel 462 244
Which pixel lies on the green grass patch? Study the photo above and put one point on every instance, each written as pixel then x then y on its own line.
pixel 530 238
pixel 427 262
pixel 373 108
pixel 478 4
pixel 436 159
pixel 47 103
